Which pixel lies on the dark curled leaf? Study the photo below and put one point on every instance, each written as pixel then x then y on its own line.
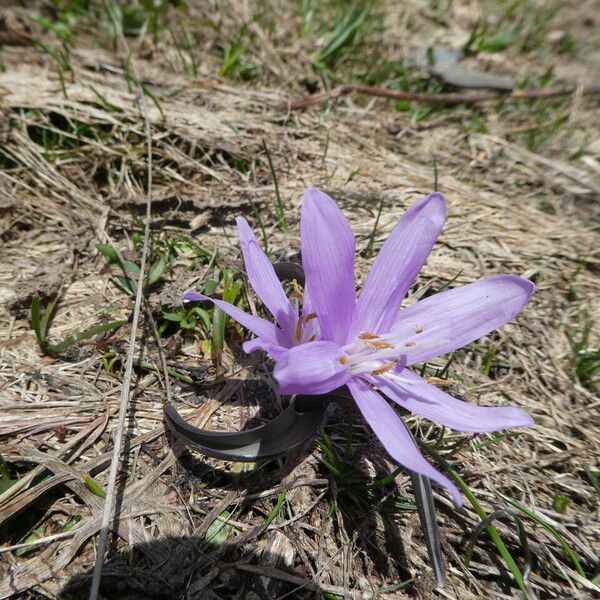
pixel 466 78
pixel 426 509
pixel 287 271
pixel 290 430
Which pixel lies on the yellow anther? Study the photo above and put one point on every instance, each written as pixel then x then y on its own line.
pixel 310 316
pixel 418 328
pixel 439 382
pixel 383 369
pixel 379 345
pixel 298 335
pixel 367 335
pixel 410 344
pixel 344 360
pixel 297 290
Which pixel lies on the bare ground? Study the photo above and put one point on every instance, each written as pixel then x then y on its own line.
pixel 73 175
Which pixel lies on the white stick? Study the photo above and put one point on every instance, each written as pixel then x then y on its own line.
pixel 112 476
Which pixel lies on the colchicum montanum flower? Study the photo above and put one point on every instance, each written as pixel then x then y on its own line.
pixel 368 343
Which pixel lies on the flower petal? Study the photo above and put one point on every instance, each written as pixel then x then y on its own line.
pixel 429 401
pixel 397 265
pixel 454 318
pixel 328 249
pixel 263 279
pixel 312 368
pixel 274 351
pixel 394 436
pixel 260 327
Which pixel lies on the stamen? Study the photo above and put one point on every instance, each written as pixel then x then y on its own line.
pixel 367 335
pixel 439 382
pixel 310 316
pixel 409 344
pixel 383 369
pixel 343 360
pixel 297 290
pixel 298 335
pixel 418 328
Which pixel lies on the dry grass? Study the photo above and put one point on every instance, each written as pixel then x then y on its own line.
pixel 73 175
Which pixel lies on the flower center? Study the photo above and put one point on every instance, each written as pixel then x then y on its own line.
pixel 377 354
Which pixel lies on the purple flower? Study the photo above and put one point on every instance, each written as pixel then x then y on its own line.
pixel 368 343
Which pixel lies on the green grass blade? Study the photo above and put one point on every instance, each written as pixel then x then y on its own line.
pixel 84 335
pixel 111 255
pixel 219 321
pixel 371 243
pixel 342 34
pixel 47 316
pixel 219 530
pixel 175 374
pixel 275 511
pixel 541 521
pixel 156 270
pixel 279 209
pixel 106 103
pixel 36 322
pixel 94 487
pixel 492 531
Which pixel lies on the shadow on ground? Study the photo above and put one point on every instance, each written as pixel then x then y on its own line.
pixel 184 568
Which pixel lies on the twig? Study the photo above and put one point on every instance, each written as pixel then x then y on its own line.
pixel 112 477
pixel 161 353
pixel 302 102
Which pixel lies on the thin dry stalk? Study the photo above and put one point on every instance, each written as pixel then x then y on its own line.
pixel 112 477
pixel 447 99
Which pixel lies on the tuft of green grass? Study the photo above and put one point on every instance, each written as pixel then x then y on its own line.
pixel 133 17
pixel 522 24
pixel 185 46
pixel 359 495
pixel 550 529
pixel 231 290
pixel 340 38
pixel 42 317
pixel 235 64
pixel 504 552
pixel 344 36
pixel 585 362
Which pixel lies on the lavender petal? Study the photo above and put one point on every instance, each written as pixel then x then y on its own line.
pixel 429 401
pixel 452 319
pixel 328 249
pixel 393 435
pixel 260 327
pixel 264 281
pixel 311 368
pixel 397 265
